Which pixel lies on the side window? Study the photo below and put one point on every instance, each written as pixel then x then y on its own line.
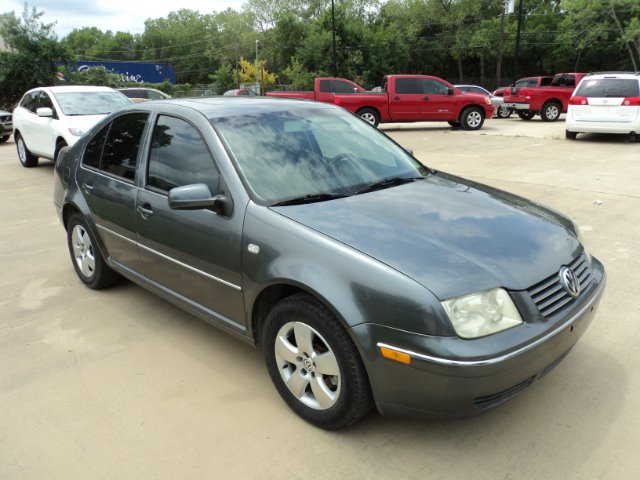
pixel 44 101
pixel 121 147
pixel 325 86
pixel 433 87
pixel 93 152
pixel 408 86
pixel 154 95
pixel 179 156
pixel 342 87
pixel 30 101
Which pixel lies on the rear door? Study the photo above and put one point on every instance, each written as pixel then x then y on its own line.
pixel 107 180
pixel 405 104
pixel 193 255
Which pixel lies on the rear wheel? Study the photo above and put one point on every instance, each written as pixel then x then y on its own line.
pixel 314 365
pixel 570 135
pixel 526 114
pixel 550 112
pixel 4 138
pixel 27 159
pixel 369 115
pixel 503 112
pixel 472 118
pixel 86 256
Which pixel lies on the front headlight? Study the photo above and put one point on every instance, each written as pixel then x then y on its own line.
pixel 77 132
pixel 482 314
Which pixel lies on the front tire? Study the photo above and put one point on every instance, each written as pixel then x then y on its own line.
pixel 27 159
pixel 4 138
pixel 314 365
pixel 550 112
pixel 370 116
pixel 526 114
pixel 86 256
pixel 472 118
pixel 59 146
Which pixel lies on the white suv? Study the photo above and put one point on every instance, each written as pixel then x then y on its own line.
pixel 50 118
pixel 605 103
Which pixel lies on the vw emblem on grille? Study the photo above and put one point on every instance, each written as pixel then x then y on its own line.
pixel 569 281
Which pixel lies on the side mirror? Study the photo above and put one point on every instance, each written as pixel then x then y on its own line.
pixel 44 112
pixel 409 151
pixel 192 197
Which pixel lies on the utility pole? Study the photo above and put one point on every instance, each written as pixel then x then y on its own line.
pixel 333 28
pixel 257 80
pixel 517 55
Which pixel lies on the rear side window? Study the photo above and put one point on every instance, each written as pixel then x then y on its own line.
pixel 325 86
pixel 30 101
pixel 121 147
pixel 179 156
pixel 609 87
pixel 408 85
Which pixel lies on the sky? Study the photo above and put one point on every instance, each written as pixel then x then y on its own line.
pixel 115 15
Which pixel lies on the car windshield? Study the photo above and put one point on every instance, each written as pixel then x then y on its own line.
pixel 609 87
pixel 91 103
pixel 312 153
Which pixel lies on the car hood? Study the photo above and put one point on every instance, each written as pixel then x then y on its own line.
pixel 83 122
pixel 452 236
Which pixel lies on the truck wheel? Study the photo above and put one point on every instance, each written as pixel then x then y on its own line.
pixel 369 115
pixel 472 118
pixel 550 112
pixel 526 114
pixel 570 135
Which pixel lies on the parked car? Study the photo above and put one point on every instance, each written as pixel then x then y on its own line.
pixel 548 101
pixel 605 103
pixel 47 119
pixel 6 126
pixel 499 110
pixel 140 94
pixel 240 92
pixel 365 277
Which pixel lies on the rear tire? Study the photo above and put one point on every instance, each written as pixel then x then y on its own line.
pixel 27 159
pixel 550 112
pixel 86 255
pixel 59 146
pixel 4 138
pixel 503 112
pixel 472 118
pixel 570 135
pixel 314 364
pixel 370 116
pixel 526 114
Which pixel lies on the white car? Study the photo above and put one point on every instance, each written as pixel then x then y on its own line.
pixel 499 109
pixel 48 119
pixel 605 103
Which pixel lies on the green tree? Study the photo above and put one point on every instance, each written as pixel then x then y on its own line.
pixel 224 78
pixel 30 61
pixel 97 76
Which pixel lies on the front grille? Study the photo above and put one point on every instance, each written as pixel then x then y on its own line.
pixel 550 296
pixel 487 401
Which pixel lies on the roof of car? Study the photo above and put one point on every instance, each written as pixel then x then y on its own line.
pixel 217 107
pixel 74 88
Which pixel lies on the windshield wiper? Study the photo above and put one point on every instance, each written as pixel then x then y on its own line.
pixel 316 197
pixel 386 183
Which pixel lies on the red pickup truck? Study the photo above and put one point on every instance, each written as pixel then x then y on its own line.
pixel 419 98
pixel 406 98
pixel 323 90
pixel 547 101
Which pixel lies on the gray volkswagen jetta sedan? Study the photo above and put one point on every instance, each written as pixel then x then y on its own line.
pixel 365 277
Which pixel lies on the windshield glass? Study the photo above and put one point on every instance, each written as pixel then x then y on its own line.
pixel 91 103
pixel 289 154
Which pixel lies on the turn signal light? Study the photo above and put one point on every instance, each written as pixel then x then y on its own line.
pixel 578 101
pixel 395 355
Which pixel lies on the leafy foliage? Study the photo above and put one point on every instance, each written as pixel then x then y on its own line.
pixel 30 61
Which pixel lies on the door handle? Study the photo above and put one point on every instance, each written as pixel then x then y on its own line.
pixel 145 210
pixel 396 98
pixel 87 187
pixel 425 98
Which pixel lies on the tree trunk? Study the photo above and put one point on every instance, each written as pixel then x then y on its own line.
pixel 460 75
pixel 613 14
pixel 481 69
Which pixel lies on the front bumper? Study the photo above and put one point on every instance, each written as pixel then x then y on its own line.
pixel 455 381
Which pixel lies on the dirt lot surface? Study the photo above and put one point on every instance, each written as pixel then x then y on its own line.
pixel 119 384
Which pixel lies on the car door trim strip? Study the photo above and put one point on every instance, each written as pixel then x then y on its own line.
pixel 173 260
